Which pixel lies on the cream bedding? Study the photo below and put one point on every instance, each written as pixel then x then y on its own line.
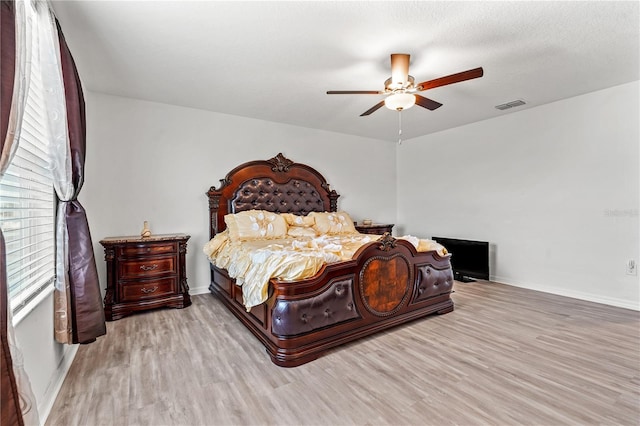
pixel 253 263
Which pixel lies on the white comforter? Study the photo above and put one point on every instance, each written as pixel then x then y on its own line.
pixel 253 263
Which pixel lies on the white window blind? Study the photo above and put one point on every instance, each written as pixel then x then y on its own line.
pixel 27 204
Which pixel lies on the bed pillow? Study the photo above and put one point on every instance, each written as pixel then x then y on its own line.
pixel 428 245
pixel 301 231
pixel 255 225
pixel 297 220
pixel 333 223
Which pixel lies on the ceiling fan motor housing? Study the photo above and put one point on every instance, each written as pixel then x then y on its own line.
pixel 408 85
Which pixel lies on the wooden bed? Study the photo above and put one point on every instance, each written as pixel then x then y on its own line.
pixel 387 282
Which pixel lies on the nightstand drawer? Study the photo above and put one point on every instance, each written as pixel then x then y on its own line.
pixel 147 267
pixel 150 289
pixel 147 249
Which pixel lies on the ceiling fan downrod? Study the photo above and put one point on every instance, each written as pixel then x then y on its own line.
pixel 399 127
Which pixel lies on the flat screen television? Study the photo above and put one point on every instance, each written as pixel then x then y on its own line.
pixel 469 259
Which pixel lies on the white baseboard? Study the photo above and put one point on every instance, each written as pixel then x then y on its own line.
pixel 590 297
pixel 45 406
pixel 198 290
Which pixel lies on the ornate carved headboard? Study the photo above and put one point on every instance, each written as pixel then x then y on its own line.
pixel 278 185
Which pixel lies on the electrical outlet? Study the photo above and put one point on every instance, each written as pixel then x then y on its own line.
pixel 632 267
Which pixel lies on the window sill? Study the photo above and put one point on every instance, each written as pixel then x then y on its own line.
pixel 24 312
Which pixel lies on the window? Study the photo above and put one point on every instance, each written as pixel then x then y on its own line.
pixel 27 204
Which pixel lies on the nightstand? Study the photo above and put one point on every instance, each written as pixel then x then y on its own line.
pixel 145 273
pixel 374 228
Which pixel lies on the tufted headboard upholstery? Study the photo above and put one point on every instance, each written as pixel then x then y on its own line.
pixel 296 196
pixel 278 185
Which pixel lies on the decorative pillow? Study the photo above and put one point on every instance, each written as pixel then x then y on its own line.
pixel 296 220
pixel 333 223
pixel 428 245
pixel 254 225
pixel 301 231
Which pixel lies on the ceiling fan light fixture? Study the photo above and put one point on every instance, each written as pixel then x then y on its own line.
pixel 400 101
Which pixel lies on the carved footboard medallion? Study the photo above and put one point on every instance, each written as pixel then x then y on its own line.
pixel 385 284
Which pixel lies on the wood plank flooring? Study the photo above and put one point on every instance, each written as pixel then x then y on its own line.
pixel 505 356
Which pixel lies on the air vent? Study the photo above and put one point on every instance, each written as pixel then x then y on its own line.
pixel 511 104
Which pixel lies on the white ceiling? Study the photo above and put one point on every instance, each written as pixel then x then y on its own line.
pixel 275 60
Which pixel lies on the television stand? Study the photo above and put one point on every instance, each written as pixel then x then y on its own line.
pixel 462 278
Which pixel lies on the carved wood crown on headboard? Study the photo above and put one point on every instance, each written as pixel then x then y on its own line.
pixel 278 185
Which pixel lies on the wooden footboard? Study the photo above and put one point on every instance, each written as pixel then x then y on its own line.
pixel 387 283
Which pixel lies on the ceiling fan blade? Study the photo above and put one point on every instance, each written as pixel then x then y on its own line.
pixel 427 103
pixel 450 79
pixel 399 69
pixel 373 108
pixel 354 92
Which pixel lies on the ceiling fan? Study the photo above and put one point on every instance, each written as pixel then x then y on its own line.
pixel 400 88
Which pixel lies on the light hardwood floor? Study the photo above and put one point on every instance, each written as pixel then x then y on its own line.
pixel 505 356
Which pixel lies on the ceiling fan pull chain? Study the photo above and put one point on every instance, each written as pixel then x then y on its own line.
pixel 399 127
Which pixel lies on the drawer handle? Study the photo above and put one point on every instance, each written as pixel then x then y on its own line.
pixel 149 290
pixel 149 268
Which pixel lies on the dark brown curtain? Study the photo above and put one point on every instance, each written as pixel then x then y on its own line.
pixel 9 404
pixel 87 313
pixel 7 66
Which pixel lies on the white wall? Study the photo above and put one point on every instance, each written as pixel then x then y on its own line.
pixel 154 162
pixel 45 360
pixel 554 189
